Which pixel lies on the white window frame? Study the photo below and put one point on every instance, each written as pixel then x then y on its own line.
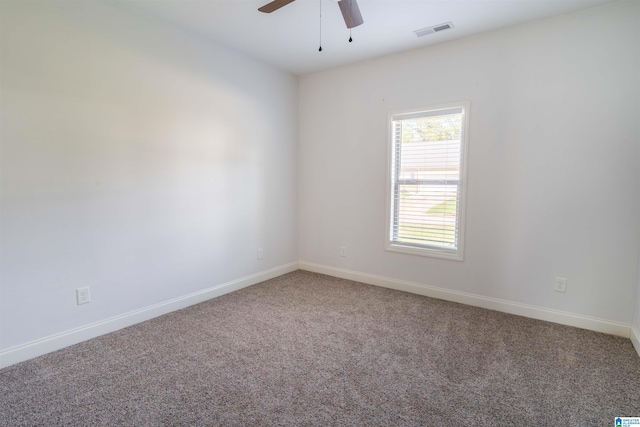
pixel 426 250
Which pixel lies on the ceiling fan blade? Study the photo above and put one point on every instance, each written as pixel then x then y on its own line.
pixel 351 13
pixel 274 5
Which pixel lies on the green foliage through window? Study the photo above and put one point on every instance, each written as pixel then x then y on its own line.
pixel 434 128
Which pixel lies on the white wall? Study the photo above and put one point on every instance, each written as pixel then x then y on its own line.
pixel 149 165
pixel 136 160
pixel 553 161
pixel 635 329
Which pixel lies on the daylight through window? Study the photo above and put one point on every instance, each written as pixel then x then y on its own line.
pixel 426 203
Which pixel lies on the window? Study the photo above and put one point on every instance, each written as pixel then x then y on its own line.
pixel 427 181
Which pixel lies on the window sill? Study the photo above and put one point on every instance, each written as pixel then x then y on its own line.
pixel 426 252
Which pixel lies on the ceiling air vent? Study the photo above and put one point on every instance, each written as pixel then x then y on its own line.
pixel 434 29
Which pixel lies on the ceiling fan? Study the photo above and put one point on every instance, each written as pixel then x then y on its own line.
pixel 349 8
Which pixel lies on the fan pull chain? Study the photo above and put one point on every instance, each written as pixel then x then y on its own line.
pixel 351 9
pixel 320 48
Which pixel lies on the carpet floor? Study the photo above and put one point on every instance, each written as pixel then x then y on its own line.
pixel 306 349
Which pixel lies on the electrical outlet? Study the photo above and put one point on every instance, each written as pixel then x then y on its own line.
pixel 83 295
pixel 560 285
pixel 343 251
pixel 260 253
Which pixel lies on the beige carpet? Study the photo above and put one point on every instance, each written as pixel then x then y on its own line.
pixel 307 349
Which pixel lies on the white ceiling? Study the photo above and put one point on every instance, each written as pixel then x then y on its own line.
pixel 289 37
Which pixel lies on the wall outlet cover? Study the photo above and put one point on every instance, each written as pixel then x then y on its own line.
pixel 83 295
pixel 560 285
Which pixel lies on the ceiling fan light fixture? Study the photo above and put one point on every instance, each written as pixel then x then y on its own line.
pixel 349 9
pixel 350 13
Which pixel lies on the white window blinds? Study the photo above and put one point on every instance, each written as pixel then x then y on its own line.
pixel 427 179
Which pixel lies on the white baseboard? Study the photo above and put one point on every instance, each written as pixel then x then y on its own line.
pixel 635 339
pixel 64 339
pixel 577 320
